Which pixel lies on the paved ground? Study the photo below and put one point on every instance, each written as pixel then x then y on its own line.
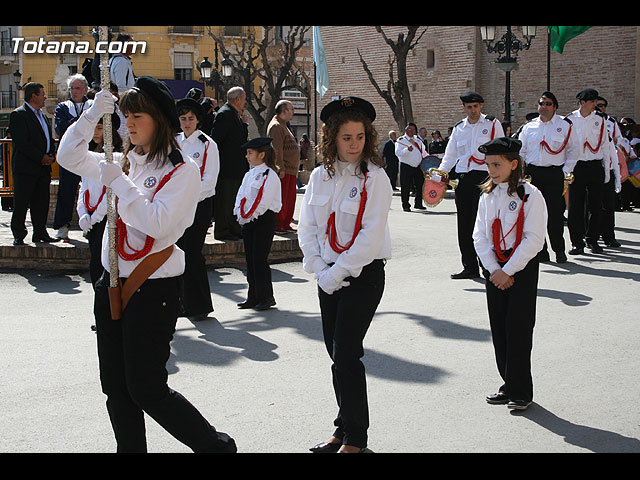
pixel 264 377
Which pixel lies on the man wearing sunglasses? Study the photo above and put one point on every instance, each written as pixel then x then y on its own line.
pixel 550 150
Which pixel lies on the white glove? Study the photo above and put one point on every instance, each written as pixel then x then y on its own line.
pixel 618 185
pixel 436 178
pixel 328 284
pixel 109 171
pixel 85 222
pixel 103 103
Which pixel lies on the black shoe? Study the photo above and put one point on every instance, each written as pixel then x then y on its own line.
pixel 497 399
pixel 518 404
pixel 326 447
pixel 420 207
pixel 464 274
pixel 44 239
pixel 247 304
pixel 576 251
pixel 612 243
pixel 406 209
pixel 17 242
pixel 543 256
pixel 594 247
pixel 265 304
pixel 561 257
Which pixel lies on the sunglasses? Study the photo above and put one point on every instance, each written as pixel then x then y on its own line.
pixel 546 104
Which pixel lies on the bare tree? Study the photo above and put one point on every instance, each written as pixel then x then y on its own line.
pixel 397 93
pixel 271 62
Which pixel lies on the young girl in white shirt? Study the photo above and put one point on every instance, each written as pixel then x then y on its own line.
pixel 157 190
pixel 344 237
pixel 257 202
pixel 92 202
pixel 196 294
pixel 509 232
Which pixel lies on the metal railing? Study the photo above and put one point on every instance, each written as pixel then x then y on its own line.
pixel 6 190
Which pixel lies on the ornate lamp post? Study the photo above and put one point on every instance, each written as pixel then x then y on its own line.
pixel 211 75
pixel 504 47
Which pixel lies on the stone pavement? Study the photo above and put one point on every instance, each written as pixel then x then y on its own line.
pixel 264 377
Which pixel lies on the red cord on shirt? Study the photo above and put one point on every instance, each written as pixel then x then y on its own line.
pixel 121 229
pixel 87 196
pixel 331 232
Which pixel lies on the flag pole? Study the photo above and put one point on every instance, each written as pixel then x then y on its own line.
pixel 105 82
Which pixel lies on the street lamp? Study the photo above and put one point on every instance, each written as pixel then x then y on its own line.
pixel 210 73
pixel 504 47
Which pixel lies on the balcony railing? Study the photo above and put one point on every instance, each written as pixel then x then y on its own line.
pixel 8 99
pixel 186 30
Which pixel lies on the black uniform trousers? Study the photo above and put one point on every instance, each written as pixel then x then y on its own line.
pixel 550 182
pixel 66 200
pixel 346 316
pixel 94 237
pixel 512 316
pixel 132 354
pixel 225 200
pixel 257 237
pixel 587 186
pixel 607 220
pixel 30 192
pixel 196 293
pixel 467 196
pixel 410 177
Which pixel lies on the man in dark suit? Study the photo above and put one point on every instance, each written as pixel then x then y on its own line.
pixel 33 154
pixel 230 133
pixel 391 159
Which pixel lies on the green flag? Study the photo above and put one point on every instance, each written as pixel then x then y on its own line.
pixel 559 36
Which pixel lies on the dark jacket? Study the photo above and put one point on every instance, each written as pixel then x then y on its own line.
pixel 29 143
pixel 230 133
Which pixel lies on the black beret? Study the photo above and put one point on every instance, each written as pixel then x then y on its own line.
pixel 587 94
pixel 550 96
pixel 348 103
pixel 471 97
pixel 191 104
pixel 161 96
pixel 257 143
pixel 500 146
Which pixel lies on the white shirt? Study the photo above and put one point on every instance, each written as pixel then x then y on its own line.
pixel 121 72
pixel 499 204
pixel 554 133
pixel 194 147
pixel 163 217
pixel 410 150
pixel 341 194
pixel 94 187
pixel 251 183
pixel 590 130
pixel 464 141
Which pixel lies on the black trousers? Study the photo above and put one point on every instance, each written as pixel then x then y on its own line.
pixel 550 182
pixel 346 316
pixel 66 201
pixel 196 294
pixel 257 237
pixel 224 201
pixel 392 172
pixel 607 219
pixel 30 192
pixel 94 237
pixel 587 186
pixel 133 353
pixel 467 196
pixel 512 316
pixel 410 177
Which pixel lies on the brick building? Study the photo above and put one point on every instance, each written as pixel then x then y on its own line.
pixel 451 59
